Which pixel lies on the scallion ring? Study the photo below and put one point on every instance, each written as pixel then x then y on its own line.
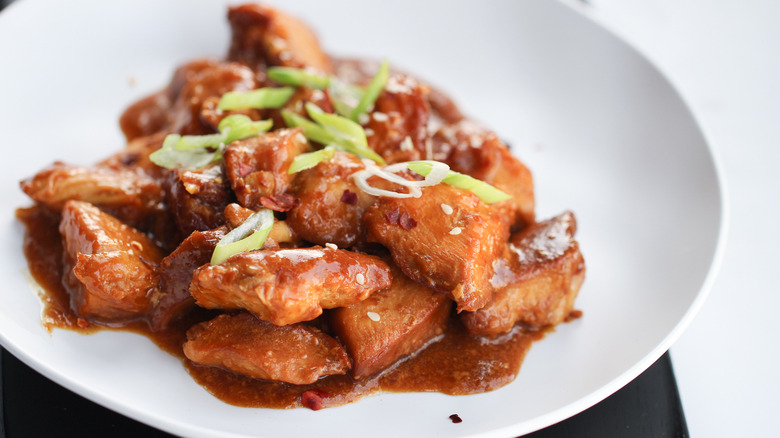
pixel 250 235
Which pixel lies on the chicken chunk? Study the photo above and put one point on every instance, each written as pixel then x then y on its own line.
pixel 263 36
pixel 286 286
pixel 450 251
pixel 173 299
pixel 390 324
pixel 109 266
pixel 246 345
pixel 399 122
pixel 257 167
pixel 331 205
pixel 471 149
pixel 129 195
pixel 180 107
pixel 536 281
pixel 197 198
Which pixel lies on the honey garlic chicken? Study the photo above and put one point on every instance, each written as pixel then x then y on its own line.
pixel 244 344
pixel 303 230
pixel 446 239
pixel 286 286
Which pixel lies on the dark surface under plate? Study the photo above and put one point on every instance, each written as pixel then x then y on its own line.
pixel 33 406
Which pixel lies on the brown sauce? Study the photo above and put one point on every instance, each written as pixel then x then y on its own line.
pixel 458 363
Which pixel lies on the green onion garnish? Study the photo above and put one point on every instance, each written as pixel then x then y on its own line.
pixel 310 159
pixel 170 157
pixel 341 126
pixel 195 151
pixel 329 131
pixel 239 127
pixel 298 77
pixel 372 91
pixel 483 190
pixel 259 98
pixel 250 235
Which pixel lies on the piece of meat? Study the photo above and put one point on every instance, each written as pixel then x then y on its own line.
pixel 263 36
pixel 129 195
pixel 398 126
pixel 536 281
pixel 173 299
pixel 331 205
pixel 286 286
pixel 180 107
pixel 244 344
pixel 257 166
pixel 135 156
pixel 110 268
pixel 197 198
pixel 471 149
pixel 452 253
pixel 390 324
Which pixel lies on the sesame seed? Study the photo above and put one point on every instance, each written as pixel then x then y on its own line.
pixel 360 278
pixel 455 231
pixel 373 316
pixel 407 144
pixel 300 138
pixel 363 118
pixel 380 117
pixel 369 132
pixel 446 209
pixel 331 245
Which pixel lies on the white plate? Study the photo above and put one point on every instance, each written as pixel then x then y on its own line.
pixel 602 130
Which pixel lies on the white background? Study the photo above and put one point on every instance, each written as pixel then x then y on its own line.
pixel 724 57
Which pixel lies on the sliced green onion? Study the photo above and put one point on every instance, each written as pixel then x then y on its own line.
pixel 170 157
pixel 344 96
pixel 259 98
pixel 483 190
pixel 250 235
pixel 341 126
pixel 238 127
pixel 191 142
pixel 321 134
pixel 310 159
pixel 311 130
pixel 372 91
pixel 298 77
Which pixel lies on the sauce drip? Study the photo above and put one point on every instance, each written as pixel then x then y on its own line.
pixel 457 363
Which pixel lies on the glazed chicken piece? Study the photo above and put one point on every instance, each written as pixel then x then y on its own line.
pixel 263 36
pixel 257 167
pixel 110 268
pixel 390 324
pixel 241 343
pixel 331 206
pixel 129 195
pixel 451 253
pixel 286 286
pixel 198 197
pixel 399 123
pixel 471 149
pixel 135 156
pixel 180 106
pixel 536 281
pixel 173 299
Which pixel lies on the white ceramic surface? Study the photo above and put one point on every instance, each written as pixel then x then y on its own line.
pixel 603 132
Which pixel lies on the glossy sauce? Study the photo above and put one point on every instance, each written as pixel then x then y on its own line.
pixel 457 363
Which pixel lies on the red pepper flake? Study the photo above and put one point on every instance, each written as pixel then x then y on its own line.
pixel 283 202
pixel 312 399
pixel 349 197
pixel 82 323
pixel 244 169
pixel 456 418
pixel 392 216
pixel 406 222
